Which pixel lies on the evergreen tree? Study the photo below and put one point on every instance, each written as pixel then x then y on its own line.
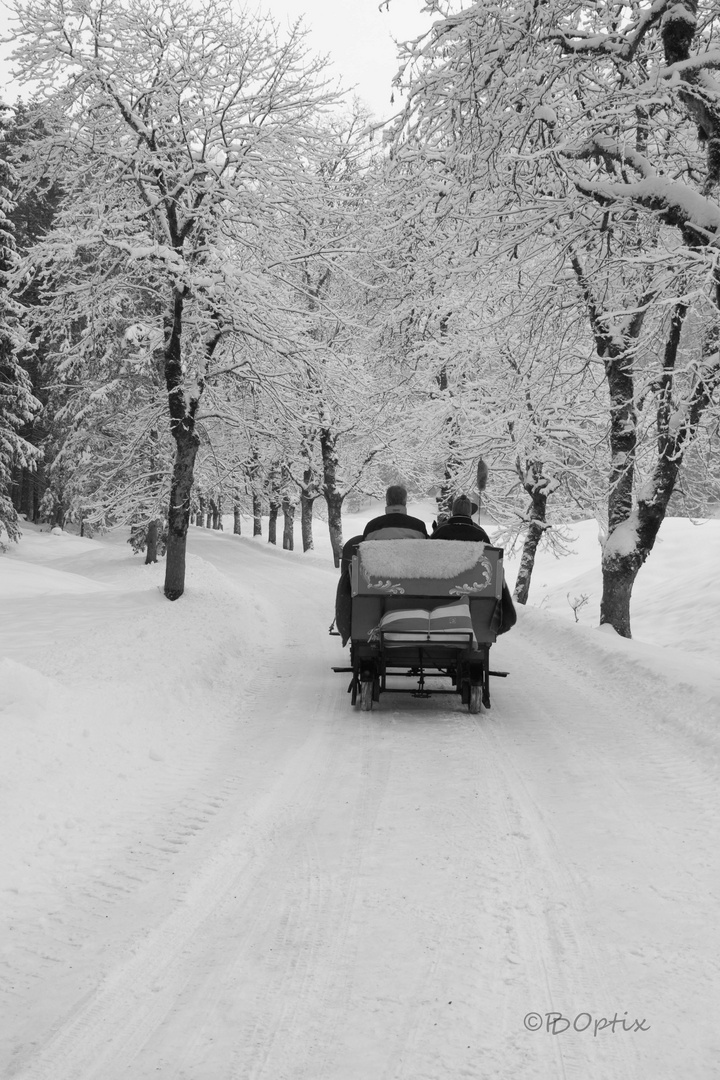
pixel 17 404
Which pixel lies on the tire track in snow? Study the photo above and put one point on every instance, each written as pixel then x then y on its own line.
pixel 107 1031
pixel 305 1009
pixel 450 1023
pixel 553 932
pixel 608 788
pixel 63 934
pixel 110 1028
pixel 293 949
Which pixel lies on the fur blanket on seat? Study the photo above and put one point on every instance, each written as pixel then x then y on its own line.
pixel 442 560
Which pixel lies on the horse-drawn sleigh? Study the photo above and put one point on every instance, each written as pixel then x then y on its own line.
pixel 423 610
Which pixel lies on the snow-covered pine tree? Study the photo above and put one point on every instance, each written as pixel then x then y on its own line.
pixel 31 214
pixel 17 404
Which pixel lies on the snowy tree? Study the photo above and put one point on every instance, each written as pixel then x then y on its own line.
pixel 337 411
pixel 177 131
pixel 501 359
pixel 597 127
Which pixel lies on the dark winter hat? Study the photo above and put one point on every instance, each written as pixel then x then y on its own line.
pixel 463 507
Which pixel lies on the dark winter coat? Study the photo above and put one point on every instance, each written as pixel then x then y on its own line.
pixel 395 526
pixel 460 527
pixel 464 528
pixel 343 596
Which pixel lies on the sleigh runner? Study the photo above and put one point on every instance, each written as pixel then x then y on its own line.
pixel 424 609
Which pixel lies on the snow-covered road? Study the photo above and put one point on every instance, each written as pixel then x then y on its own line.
pixel 295 890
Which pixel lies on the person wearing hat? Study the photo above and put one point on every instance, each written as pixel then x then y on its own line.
pixel 395 523
pixel 462 527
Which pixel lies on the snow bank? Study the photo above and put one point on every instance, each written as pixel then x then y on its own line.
pixel 23 691
pixel 110 698
pixel 675 601
pixel 38 543
pixel 684 689
pixel 20 578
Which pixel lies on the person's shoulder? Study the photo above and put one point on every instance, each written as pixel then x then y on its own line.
pixel 461 530
pixel 376 523
pixel 395 519
pixel 415 523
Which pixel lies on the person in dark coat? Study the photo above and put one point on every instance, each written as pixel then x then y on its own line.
pixel 395 523
pixel 343 595
pixel 462 527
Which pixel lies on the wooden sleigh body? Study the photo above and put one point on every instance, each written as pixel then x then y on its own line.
pixel 424 609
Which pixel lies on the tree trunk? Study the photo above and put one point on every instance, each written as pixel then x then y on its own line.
pixel 237 520
pixel 288 509
pixel 217 516
pixel 257 515
pixel 209 515
pixel 37 494
pixel 618 360
pixel 619 571
pixel 272 523
pixel 333 497
pixel 623 438
pixel 538 487
pixel 23 505
pixel 632 540
pixel 632 533
pixel 334 508
pixel 58 517
pixel 308 494
pixel 187 442
pixel 151 542
pixel 448 488
pixel 618 576
pixel 306 521
pixel 527 561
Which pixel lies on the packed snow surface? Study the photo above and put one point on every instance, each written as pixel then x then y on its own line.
pixel 213 868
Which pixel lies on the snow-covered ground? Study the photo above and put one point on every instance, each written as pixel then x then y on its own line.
pixel 213 868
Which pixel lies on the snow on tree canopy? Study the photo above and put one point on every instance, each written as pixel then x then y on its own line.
pixel 545 113
pixel 441 559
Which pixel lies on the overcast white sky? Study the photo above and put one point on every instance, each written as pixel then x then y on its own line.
pixel 356 34
pixel 358 37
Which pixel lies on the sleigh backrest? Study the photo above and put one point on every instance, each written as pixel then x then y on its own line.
pixel 392 575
